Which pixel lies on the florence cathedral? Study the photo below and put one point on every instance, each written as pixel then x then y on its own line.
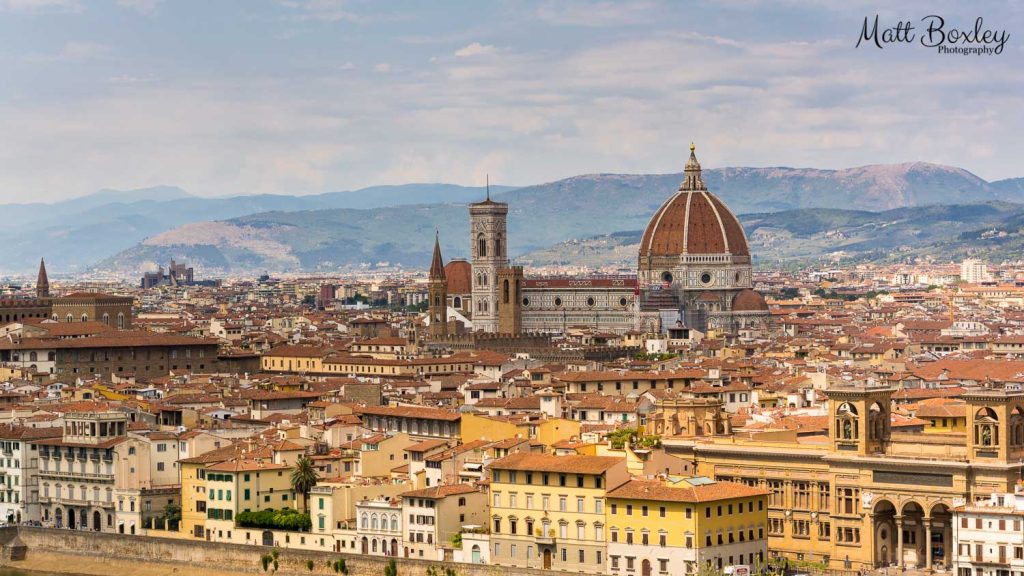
pixel 693 273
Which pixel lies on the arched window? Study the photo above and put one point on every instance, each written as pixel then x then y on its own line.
pixel 365 521
pixel 394 523
pixel 70 318
pixel 846 422
pixel 481 246
pixel 106 319
pixel 33 356
pixel 986 428
pixel 457 302
pixel 373 522
pixel 85 317
pixel 504 292
pixel 498 247
pixel 120 320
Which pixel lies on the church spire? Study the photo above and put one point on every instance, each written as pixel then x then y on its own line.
pixel 437 264
pixel 691 174
pixel 42 282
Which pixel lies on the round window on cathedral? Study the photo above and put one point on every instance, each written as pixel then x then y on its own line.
pixel 705 278
pixel 622 301
pixel 558 301
pixel 590 301
pixel 666 277
pixel 526 301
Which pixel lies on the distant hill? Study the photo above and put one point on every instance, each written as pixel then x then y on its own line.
pixel 951 232
pixel 582 207
pixel 74 234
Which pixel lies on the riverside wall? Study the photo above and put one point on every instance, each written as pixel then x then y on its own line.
pixel 199 555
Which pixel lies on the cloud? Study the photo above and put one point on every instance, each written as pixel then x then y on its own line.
pixel 595 14
pixel 474 49
pixel 595 100
pixel 41 6
pixel 72 51
pixel 82 50
pixel 320 10
pixel 145 7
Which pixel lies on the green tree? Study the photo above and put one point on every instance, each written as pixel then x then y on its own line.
pixel 391 569
pixel 172 516
pixel 304 477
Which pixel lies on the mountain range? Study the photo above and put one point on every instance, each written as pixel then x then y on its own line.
pixel 562 221
pixel 990 230
pixel 74 234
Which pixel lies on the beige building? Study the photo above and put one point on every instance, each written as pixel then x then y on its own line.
pixel 549 511
pixel 433 516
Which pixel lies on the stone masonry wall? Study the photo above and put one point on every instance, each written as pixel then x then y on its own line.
pixel 244 559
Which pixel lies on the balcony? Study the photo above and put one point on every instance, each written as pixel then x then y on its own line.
pixel 76 475
pixel 542 538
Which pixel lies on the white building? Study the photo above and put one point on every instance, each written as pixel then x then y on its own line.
pixel 987 536
pixel 379 527
pixel 973 271
pixel 19 483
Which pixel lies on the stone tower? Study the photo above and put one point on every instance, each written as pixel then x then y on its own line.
pixel 487 237
pixel 42 282
pixel 510 300
pixel 437 294
pixel 859 417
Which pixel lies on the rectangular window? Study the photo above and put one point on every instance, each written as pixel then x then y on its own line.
pixel 580 505
pixel 661 512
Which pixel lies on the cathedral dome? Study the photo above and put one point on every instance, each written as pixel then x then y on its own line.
pixel 749 301
pixel 693 221
pixel 459 274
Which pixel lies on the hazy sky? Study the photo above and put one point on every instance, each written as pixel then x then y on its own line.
pixel 300 96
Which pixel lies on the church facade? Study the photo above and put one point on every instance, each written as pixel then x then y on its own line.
pixel 693 271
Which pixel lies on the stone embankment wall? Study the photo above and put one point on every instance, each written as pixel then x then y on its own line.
pixel 239 558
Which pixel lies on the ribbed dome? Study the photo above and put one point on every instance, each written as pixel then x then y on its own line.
pixel 459 274
pixel 693 221
pixel 749 301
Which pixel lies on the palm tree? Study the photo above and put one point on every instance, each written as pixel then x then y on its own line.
pixel 304 477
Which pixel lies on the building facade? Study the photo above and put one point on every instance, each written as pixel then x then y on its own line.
pixel 693 272
pixel 549 511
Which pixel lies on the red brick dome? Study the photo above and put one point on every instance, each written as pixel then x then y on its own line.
pixel 749 301
pixel 693 221
pixel 459 274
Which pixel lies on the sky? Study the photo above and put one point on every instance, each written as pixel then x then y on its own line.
pixel 231 97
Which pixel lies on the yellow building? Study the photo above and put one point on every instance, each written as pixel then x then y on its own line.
pixel 216 486
pixel 294 359
pixel 943 417
pixel 244 485
pixel 549 511
pixel 547 431
pixel 673 526
pixel 865 496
